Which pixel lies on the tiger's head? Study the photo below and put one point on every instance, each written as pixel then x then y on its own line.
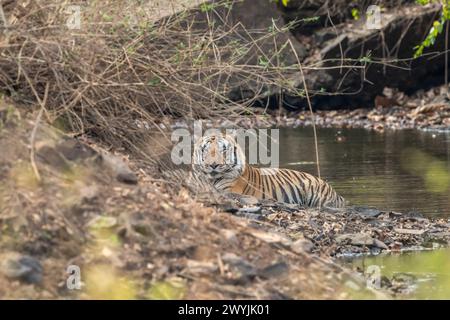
pixel 218 157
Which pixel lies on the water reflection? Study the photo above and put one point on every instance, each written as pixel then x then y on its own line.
pixel 423 275
pixel 404 170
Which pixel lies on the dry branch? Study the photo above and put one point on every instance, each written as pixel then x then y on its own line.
pixel 117 71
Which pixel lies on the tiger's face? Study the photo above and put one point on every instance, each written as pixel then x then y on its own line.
pixel 218 156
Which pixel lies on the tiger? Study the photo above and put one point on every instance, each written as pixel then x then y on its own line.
pixel 222 162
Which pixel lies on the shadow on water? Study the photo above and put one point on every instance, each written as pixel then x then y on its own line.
pixel 407 170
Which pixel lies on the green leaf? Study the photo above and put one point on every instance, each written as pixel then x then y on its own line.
pixel 436 29
pixel 263 61
pixel 355 14
pixel 153 82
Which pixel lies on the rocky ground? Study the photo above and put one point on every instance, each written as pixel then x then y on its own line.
pixel 346 233
pixel 425 110
pixel 72 203
pixel 350 231
pixel 393 110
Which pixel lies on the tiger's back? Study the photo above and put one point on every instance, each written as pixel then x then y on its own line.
pixel 287 186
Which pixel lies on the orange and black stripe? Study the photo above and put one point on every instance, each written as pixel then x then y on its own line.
pixel 287 186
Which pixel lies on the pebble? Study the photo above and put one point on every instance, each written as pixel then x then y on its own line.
pixel 73 149
pixel 121 170
pixel 248 201
pixel 365 211
pixel 274 270
pixel 228 207
pixel 89 193
pixel 23 267
pixel 250 209
pixel 360 239
pixel 52 157
pixel 243 270
pixel 409 231
pixel 201 267
pixel 102 222
pixel 302 245
pixel 229 235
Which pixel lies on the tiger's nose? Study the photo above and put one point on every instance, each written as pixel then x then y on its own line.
pixel 214 165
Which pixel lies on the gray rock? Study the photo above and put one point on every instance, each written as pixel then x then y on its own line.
pixel 127 177
pixel 228 207
pixel 23 267
pixel 239 262
pixel 249 216
pixel 360 239
pixel 410 231
pixel 369 212
pixel 274 270
pixel 229 235
pixel 250 209
pixel 121 170
pixel 302 245
pixel 248 200
pixel 89 193
pixel 201 267
pixel 242 270
pixel 50 156
pixel 73 149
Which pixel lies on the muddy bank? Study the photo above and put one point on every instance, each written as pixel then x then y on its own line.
pixel 435 117
pixel 346 232
pixel 427 110
pixel 392 110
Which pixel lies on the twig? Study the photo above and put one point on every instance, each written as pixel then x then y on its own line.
pixel 313 118
pixel 340 43
pixel 220 263
pixel 33 134
pixel 3 17
pixel 446 59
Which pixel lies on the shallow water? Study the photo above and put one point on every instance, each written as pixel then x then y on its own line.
pixel 405 171
pixel 395 170
pixel 420 275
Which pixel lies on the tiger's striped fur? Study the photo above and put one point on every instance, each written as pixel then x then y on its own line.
pixel 222 161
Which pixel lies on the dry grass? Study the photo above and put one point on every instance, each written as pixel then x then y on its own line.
pixel 121 66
